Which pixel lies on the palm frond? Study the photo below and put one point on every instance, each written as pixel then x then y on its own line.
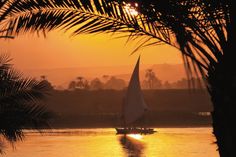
pixel 197 28
pixel 93 16
pixel 4 62
pixel 15 118
pixel 200 29
pixel 20 102
pixel 6 7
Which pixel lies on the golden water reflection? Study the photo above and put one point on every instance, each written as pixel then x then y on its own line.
pixel 168 142
pixel 132 145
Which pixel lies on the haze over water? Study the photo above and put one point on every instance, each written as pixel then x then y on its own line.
pixel 168 142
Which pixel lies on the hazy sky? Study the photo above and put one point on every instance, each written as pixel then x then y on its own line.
pixel 58 50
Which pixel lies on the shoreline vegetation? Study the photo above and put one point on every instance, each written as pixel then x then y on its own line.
pixel 63 130
pixel 113 127
pixel 206 122
pixel 102 108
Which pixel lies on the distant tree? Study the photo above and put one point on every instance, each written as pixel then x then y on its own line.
pixel 72 85
pixel 44 79
pixel 80 78
pixel 167 85
pixel 96 84
pixel 105 78
pixel 86 84
pixel 151 80
pixel 20 103
pixel 60 87
pixel 80 82
pixel 115 83
pixel 181 84
pixel 184 83
pixel 145 84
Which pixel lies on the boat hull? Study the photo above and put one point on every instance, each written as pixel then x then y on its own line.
pixel 135 131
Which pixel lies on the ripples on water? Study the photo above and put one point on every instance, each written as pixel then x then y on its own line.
pixel 168 142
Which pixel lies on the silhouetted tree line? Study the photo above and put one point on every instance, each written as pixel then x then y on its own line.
pixel 108 82
pixel 151 81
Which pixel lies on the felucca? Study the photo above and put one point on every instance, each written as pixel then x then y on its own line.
pixel 134 107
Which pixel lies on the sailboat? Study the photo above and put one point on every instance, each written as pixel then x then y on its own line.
pixel 134 107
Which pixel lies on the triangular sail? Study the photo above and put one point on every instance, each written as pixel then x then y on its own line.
pixel 134 104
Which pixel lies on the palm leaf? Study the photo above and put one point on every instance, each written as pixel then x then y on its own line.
pixel 20 103
pixel 80 16
pixel 197 28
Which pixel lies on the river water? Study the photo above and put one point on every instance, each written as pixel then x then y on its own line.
pixel 167 142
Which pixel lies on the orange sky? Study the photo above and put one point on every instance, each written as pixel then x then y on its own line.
pixel 59 50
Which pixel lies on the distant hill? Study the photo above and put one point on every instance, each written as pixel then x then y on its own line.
pixel 62 76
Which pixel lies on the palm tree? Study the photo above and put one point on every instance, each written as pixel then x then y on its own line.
pixel 82 83
pixel 202 30
pixel 20 103
pixel 151 79
pixel 96 84
pixel 72 85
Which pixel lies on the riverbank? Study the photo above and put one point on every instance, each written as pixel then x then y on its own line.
pixel 102 108
pixel 152 120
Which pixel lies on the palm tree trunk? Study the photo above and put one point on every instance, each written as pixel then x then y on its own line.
pixel 222 88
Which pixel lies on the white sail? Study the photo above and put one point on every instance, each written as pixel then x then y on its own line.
pixel 134 104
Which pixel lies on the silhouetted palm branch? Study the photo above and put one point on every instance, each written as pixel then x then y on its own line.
pixel 6 7
pixel 20 103
pixel 94 16
pixel 183 24
pixel 200 29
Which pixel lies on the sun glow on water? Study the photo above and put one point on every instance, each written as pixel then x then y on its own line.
pixel 136 136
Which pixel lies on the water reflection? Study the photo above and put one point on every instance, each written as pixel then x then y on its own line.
pixel 168 142
pixel 133 147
